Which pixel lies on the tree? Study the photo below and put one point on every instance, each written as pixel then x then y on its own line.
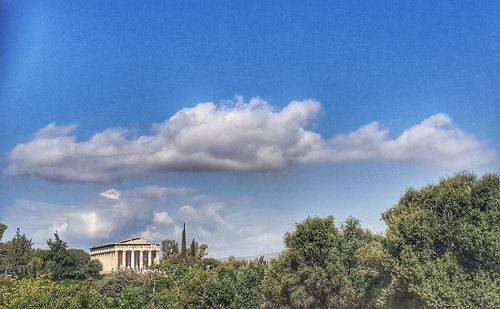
pixel 169 248
pixel 445 239
pixel 79 265
pixel 58 257
pixel 38 260
pixel 201 250
pixel 3 227
pixel 325 267
pixel 18 254
pixel 183 243
pixel 193 248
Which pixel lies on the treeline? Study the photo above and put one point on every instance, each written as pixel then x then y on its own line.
pixel 18 258
pixel 441 249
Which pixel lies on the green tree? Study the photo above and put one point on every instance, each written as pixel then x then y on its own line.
pixel 38 260
pixel 183 242
pixel 201 250
pixel 18 254
pixel 79 265
pixel 326 267
pixel 3 227
pixel 58 257
pixel 445 238
pixel 169 248
pixel 3 251
pixel 193 248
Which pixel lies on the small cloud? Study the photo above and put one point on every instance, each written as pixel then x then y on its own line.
pixel 112 194
pixel 162 218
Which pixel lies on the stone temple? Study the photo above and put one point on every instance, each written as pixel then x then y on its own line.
pixel 135 254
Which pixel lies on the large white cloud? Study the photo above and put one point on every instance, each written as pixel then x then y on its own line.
pixel 241 136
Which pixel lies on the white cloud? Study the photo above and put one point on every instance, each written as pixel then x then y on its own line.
pixel 162 218
pixel 209 213
pixel 138 213
pixel 112 194
pixel 240 136
pixel 92 224
pixel 435 140
pixel 122 214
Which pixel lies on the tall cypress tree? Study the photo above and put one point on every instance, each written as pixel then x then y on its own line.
pixel 183 245
pixel 192 249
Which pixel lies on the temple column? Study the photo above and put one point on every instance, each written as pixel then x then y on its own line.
pixel 132 259
pixel 141 260
pixel 149 258
pixel 124 259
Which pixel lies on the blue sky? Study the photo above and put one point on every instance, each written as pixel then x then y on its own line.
pixel 387 95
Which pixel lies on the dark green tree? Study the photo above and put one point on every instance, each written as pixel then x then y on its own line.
pixel 38 260
pixel 3 227
pixel 58 257
pixel 183 242
pixel 445 239
pixel 192 248
pixel 326 267
pixel 18 254
pixel 79 265
pixel 3 250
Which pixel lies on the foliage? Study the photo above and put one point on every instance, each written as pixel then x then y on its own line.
pixel 446 241
pixel 169 248
pixel 57 257
pixel 79 265
pixel 326 267
pixel 17 254
pixel 41 292
pixel 3 227
pixel 441 250
pixel 68 263
pixel 183 242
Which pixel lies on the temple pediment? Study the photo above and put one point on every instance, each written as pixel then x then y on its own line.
pixel 134 241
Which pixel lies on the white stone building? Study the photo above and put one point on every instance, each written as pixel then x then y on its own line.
pixel 135 254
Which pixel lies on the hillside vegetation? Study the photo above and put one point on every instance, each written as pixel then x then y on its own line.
pixel 441 249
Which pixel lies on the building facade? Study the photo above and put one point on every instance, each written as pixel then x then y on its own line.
pixel 134 254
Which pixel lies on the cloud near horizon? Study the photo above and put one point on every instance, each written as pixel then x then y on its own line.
pixel 151 212
pixel 241 136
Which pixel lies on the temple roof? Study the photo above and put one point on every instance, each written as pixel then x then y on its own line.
pixel 130 241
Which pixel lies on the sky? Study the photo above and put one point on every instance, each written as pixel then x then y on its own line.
pixel 126 119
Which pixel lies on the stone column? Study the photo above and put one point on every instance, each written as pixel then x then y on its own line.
pixel 132 259
pixel 141 259
pixel 149 258
pixel 124 259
